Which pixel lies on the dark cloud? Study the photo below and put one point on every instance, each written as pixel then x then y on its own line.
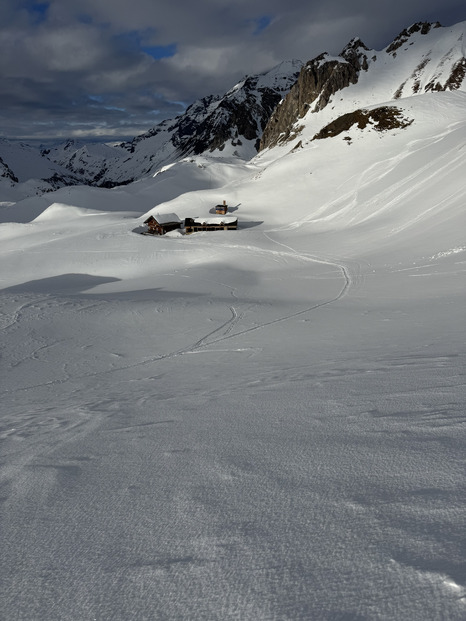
pixel 113 68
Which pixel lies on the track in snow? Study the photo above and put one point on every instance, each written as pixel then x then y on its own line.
pixel 351 276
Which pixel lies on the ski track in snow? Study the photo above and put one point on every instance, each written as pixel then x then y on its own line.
pixel 350 272
pixel 83 421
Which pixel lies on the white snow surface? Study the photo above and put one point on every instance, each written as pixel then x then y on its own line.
pixel 261 424
pixel 166 218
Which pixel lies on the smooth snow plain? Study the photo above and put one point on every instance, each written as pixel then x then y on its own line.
pixel 262 424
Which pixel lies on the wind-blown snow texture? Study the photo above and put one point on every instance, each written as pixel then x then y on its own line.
pixel 265 423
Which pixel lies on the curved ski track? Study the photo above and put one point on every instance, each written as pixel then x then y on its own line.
pixel 351 274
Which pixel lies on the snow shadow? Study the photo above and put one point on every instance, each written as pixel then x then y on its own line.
pixel 69 284
pixel 83 285
pixel 154 294
pixel 249 224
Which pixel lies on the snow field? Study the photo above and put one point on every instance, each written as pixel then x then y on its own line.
pixel 259 424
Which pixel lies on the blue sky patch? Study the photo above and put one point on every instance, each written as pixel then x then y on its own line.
pixel 135 40
pixel 262 23
pixel 160 51
pixel 38 10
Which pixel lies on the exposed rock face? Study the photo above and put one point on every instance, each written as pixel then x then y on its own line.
pixel 422 27
pixel 432 61
pixel 381 119
pixel 454 80
pixel 6 172
pixel 318 80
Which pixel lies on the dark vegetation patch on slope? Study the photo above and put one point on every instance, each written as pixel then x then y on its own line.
pixel 381 119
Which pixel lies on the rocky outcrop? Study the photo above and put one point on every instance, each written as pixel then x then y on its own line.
pixel 318 80
pixel 454 80
pixel 264 110
pixel 421 27
pixel 435 72
pixel 6 172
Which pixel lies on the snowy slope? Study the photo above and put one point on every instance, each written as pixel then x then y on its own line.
pixel 265 423
pixel 25 161
pixel 419 60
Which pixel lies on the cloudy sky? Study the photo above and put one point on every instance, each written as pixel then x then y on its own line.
pixel 111 69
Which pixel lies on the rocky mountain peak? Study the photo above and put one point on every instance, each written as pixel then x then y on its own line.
pixel 318 80
pixel 430 58
pixel 419 27
pixel 355 54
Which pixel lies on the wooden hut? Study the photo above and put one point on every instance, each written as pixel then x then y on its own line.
pixel 221 209
pixel 194 225
pixel 159 224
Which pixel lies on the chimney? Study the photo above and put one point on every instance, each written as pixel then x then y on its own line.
pixel 225 203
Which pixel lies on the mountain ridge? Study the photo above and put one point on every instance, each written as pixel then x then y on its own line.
pixel 258 113
pixel 232 122
pixel 438 63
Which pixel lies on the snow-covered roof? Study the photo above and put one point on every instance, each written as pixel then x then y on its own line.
pixel 224 219
pixel 165 218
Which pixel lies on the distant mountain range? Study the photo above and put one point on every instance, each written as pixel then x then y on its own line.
pixel 258 113
pixel 231 124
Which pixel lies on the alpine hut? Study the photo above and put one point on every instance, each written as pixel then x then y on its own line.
pixel 159 224
pixel 194 225
pixel 221 209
